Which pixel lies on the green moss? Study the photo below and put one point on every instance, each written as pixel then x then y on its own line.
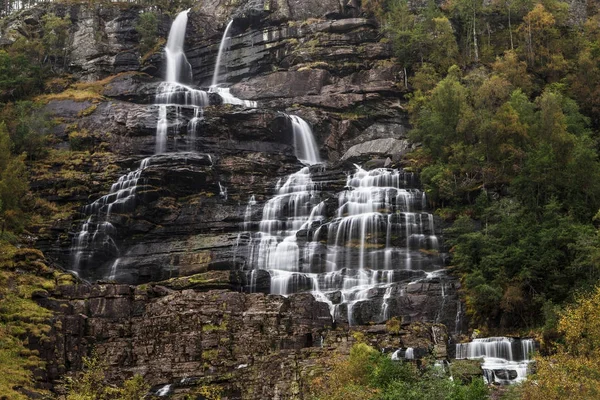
pixel 80 140
pixel 210 355
pixel 197 279
pixel 21 317
pixel 359 336
pixel 465 370
pixel 210 328
pixel 393 325
pixel 87 111
pixel 155 49
pixel 70 94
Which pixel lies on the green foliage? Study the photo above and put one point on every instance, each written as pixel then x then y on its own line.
pixel 14 184
pixel 207 392
pixel 572 371
pixel 528 170
pixel 54 38
pixel 91 384
pixel 21 318
pixel 18 76
pixel 466 370
pixel 147 28
pixel 28 128
pixel 427 36
pixel 369 374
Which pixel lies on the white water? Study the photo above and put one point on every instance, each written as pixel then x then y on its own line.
pixel 225 94
pixel 173 94
pixel 351 257
pixel 97 233
pixel 501 357
pixel 304 142
pixel 163 391
pixel 408 354
pixel 222 47
pixel 173 99
pixel 177 63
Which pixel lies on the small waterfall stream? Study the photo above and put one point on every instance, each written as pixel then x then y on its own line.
pixel 225 94
pixel 177 63
pixel 504 360
pixel 222 47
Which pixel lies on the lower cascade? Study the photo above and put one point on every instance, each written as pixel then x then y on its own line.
pixel 375 243
pixel 504 360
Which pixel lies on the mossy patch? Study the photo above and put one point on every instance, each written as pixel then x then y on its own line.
pixel 70 94
pixel 21 318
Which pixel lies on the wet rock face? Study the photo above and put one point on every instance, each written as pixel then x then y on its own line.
pixel 331 72
pixel 253 346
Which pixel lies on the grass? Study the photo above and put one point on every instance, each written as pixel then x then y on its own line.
pixel 21 318
pixel 82 91
pixel 155 49
pixel 70 94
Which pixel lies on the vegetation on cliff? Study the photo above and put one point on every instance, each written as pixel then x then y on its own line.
pixel 508 122
pixel 369 374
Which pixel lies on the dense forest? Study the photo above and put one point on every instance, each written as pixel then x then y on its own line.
pixel 504 101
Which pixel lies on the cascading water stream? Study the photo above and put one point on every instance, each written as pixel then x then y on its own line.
pixel 505 360
pixel 304 142
pixel 177 63
pixel 378 230
pixel 97 234
pixel 172 93
pixel 222 48
pixel 225 94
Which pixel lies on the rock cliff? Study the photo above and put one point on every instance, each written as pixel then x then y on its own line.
pixel 251 345
pixel 325 61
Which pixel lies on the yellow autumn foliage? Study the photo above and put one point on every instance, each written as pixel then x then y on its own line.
pixel 572 372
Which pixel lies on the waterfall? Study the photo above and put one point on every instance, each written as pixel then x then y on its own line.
pixel 304 142
pixel 403 354
pixel 505 360
pixel 352 256
pixel 172 93
pixel 222 47
pixel 96 235
pixel 225 94
pixel 95 243
pixel 177 63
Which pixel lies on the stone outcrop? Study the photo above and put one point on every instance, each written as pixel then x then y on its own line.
pixel 251 345
pixel 379 147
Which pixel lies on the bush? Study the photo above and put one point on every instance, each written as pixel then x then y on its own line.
pixel 147 28
pixel 369 374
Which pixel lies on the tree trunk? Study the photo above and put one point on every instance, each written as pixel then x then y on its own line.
pixel 476 48
pixel 512 46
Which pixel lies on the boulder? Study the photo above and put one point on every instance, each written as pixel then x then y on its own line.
pixel 379 147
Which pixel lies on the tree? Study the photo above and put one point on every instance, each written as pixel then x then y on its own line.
pixel 468 11
pixel 54 39
pixel 515 71
pixel 147 28
pixel 572 371
pixel 538 29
